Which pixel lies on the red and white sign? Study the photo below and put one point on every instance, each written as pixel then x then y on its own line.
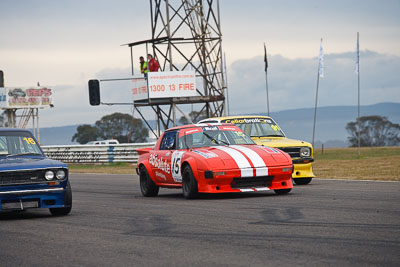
pixel 165 85
pixel 139 89
pixel 172 84
pixel 26 97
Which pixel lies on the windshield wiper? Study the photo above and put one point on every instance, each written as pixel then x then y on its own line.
pixel 24 154
pixel 215 140
pixel 272 135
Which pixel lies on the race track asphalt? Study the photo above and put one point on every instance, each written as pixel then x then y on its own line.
pixel 325 223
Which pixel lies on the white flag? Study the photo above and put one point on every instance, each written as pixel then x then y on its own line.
pixel 357 69
pixel 321 61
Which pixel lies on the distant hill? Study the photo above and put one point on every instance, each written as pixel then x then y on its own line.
pixel 57 135
pixel 331 121
pixel 297 124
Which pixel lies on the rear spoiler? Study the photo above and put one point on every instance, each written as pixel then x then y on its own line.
pixel 144 150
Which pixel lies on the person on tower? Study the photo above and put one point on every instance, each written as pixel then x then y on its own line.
pixel 153 63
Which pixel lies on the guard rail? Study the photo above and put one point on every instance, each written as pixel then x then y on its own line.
pixel 95 153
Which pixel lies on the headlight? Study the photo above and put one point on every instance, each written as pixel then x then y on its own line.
pixel 305 152
pixel 60 174
pixel 49 175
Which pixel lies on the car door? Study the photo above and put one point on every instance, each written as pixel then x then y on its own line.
pixel 163 169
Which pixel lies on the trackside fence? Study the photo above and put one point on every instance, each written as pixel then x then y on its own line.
pixel 95 153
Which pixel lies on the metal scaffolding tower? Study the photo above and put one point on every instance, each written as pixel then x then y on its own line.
pixel 186 35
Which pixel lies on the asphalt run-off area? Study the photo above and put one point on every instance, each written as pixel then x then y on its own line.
pixel 328 222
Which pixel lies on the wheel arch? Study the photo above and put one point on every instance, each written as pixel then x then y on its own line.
pixel 192 164
pixel 147 165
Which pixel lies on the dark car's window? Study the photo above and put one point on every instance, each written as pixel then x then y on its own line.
pixel 169 141
pixel 12 143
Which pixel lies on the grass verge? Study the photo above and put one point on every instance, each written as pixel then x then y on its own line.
pixel 374 163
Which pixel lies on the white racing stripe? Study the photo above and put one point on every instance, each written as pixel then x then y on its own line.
pixel 241 161
pixel 258 162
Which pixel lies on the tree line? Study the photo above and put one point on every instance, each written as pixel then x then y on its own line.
pixel 122 127
pixel 374 130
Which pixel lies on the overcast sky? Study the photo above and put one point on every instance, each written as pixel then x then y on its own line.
pixel 63 44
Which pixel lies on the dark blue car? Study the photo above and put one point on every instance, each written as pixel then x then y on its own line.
pixel 28 179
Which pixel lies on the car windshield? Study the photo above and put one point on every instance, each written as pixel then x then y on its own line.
pixel 18 144
pixel 214 137
pixel 258 127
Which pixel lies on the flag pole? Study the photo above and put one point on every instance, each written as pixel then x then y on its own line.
pixel 320 73
pixel 225 80
pixel 315 109
pixel 358 85
pixel 266 75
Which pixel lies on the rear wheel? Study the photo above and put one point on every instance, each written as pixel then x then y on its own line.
pixel 282 191
pixel 147 186
pixel 189 184
pixel 67 203
pixel 301 181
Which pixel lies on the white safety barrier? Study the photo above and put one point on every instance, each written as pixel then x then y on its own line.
pixel 95 153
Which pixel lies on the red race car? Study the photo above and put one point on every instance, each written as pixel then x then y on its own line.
pixel 212 158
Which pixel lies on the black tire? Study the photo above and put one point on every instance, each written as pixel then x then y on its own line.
pixel 301 181
pixel 147 186
pixel 189 184
pixel 67 203
pixel 282 191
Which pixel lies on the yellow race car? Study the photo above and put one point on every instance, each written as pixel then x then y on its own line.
pixel 264 131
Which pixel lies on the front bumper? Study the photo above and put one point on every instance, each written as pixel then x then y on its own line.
pixel 302 169
pixel 27 198
pixel 226 184
pixel 32 191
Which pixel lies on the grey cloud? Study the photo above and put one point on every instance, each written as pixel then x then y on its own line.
pixel 292 82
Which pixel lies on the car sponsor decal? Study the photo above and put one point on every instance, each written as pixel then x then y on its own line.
pixel 206 154
pixel 191 131
pixel 254 189
pixel 246 120
pixel 159 174
pixel 270 149
pixel 227 128
pixel 176 162
pixel 210 128
pixel 159 163
pixel 243 164
pixel 258 162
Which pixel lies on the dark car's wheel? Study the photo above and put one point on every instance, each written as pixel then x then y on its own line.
pixel 282 191
pixel 189 184
pixel 301 181
pixel 67 203
pixel 147 186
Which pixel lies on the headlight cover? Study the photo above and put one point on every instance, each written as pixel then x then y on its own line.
pixel 305 152
pixel 60 174
pixel 49 175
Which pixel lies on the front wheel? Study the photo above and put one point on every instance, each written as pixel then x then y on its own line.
pixel 189 184
pixel 147 186
pixel 67 203
pixel 282 191
pixel 301 181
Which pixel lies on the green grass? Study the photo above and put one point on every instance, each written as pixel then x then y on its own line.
pixel 352 153
pixel 115 168
pixel 374 163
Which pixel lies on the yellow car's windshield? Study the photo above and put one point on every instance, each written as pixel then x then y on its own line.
pixel 257 127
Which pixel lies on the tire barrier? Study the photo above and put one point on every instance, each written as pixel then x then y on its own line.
pixel 95 153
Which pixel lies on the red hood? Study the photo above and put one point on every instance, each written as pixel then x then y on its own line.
pixel 243 157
